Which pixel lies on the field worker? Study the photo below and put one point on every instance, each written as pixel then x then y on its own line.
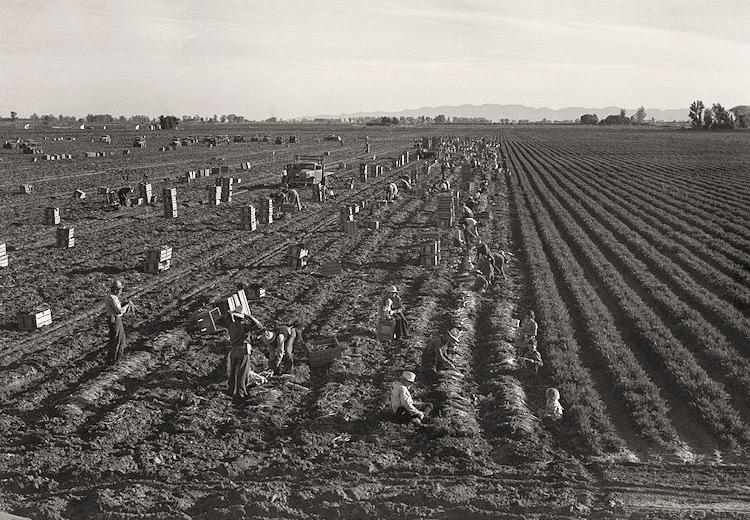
pixel 532 358
pixel 435 354
pixel 481 283
pixel 553 409
pixel 404 182
pixel 499 261
pixel 239 324
pixel 391 192
pixel 467 211
pixel 123 194
pixel 280 345
pixel 115 311
pixel 470 227
pixel 291 196
pixel 483 250
pixel 392 309
pixel 402 404
pixel 472 204
pixel 486 267
pixel 529 328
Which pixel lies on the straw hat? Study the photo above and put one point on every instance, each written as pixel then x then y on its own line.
pixel 392 289
pixel 454 334
pixel 408 376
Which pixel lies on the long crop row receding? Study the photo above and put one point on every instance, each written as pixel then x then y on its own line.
pixel 655 340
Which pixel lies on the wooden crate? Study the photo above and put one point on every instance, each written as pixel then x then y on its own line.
pixel 296 263
pixel 26 188
pixel 160 254
pixel 36 318
pixel 156 267
pixel 370 224
pixel 288 208
pixel 234 301
pixel 255 292
pixel 52 216
pixel 297 251
pixel 4 260
pixel 102 190
pixel 386 330
pixel 208 320
pixel 430 260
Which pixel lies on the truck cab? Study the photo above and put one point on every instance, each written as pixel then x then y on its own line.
pixel 306 170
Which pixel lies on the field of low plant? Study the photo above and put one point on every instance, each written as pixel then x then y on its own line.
pixel 632 247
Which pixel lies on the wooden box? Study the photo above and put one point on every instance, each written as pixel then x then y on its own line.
pixel 430 260
pixel 159 255
pixel 297 251
pixel 234 301
pixel 321 358
pixel 102 190
pixel 36 318
pixel 4 260
pixel 156 267
pixel 297 263
pixel 288 208
pixel 386 330
pixel 351 228
pixel 208 320
pixel 255 292
pixel 52 216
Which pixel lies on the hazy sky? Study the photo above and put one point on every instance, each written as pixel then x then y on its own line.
pixel 293 58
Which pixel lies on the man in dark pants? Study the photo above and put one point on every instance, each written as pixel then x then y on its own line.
pixel 239 325
pixel 123 194
pixel 115 311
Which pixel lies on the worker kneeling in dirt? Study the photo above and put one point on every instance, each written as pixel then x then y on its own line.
pixel 553 410
pixel 470 230
pixel 435 354
pixel 402 404
pixel 123 194
pixel 531 358
pixel 239 324
pixel 280 345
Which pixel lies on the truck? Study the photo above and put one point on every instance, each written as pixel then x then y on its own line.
pixel 306 170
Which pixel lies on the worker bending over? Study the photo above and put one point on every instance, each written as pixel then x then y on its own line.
pixel 553 409
pixel 291 196
pixel 435 355
pixel 391 192
pixel 280 346
pixel 123 195
pixel 402 404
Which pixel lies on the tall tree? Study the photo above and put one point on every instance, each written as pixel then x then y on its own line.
pixel 708 118
pixel 696 113
pixel 723 120
pixel 640 115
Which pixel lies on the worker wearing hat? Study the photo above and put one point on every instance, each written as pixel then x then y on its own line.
pixel 280 348
pixel 392 309
pixel 402 404
pixel 115 311
pixel 239 324
pixel 435 355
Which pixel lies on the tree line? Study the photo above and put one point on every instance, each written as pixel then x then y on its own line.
pixel 638 118
pixel 717 117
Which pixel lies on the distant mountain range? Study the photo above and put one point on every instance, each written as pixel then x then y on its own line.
pixel 495 112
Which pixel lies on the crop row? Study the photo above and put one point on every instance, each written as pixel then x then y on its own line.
pixel 678 364
pixel 684 320
pixel 676 300
pixel 602 343
pixel 654 242
pixel 642 183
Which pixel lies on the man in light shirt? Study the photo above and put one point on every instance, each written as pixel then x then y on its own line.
pixel 402 404
pixel 115 311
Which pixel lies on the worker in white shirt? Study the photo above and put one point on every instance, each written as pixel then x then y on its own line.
pixel 402 404
pixel 239 324
pixel 115 311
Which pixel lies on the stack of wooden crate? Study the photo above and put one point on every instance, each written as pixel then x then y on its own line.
pixel 214 195
pixel 52 216
pixel 227 187
pixel 158 260
pixel 26 188
pixel 235 301
pixel 204 172
pixel 371 224
pixel 430 253
pixel 248 221
pixel 363 172
pixel 3 255
pixel 266 211
pixel 445 210
pixel 297 256
pixel 35 318
pixel 169 202
pixel 207 320
pixel 65 237
pixel 378 171
pixel 255 292
pixel 245 165
pixel 317 192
